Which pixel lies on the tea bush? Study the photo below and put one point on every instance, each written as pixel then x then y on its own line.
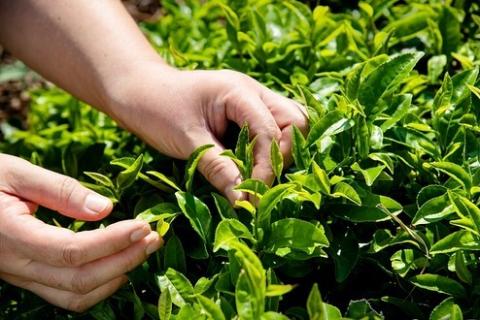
pixel 378 218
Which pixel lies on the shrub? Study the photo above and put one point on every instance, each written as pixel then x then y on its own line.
pixel 377 218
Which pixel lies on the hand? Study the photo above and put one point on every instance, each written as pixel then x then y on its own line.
pixel 71 270
pixel 178 111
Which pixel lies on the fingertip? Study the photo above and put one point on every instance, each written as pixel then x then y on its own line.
pixel 154 241
pixel 97 207
pixel 263 172
pixel 234 195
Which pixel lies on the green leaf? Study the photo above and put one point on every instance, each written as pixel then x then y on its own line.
pixel 361 309
pixel 223 206
pixel 321 178
pixel 178 285
pixel 268 202
pixel 460 83
pixel 174 255
pixel 210 308
pixel 274 290
pixel 462 239
pixel 158 212
pixel 128 176
pixel 344 190
pixel 276 159
pixel 242 143
pixel 332 123
pixel 100 178
pixel 461 268
pixel 436 64
pixel 453 170
pixel 438 283
pixel 295 239
pixel 192 163
pixel 229 231
pixel 385 76
pixel 402 105
pixel 300 153
pixel 255 187
pixel 345 251
pixel 447 309
pixel 433 210
pixel 270 315
pixel 466 208
pixel 196 211
pixel 370 174
pixel 165 305
pixel 369 211
pixel 163 178
pixel 319 310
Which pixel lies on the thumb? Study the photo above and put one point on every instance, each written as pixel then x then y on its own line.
pixel 221 171
pixel 55 191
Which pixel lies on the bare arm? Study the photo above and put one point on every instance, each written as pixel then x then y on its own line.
pixel 83 46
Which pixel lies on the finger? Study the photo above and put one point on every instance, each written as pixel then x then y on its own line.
pixel 250 108
pixel 219 170
pixel 286 145
pixel 94 274
pixel 67 299
pixel 62 247
pixel 55 191
pixel 286 111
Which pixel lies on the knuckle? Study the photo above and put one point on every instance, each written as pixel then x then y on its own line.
pixel 273 131
pixel 81 283
pixel 67 190
pixel 72 254
pixel 77 304
pixel 214 168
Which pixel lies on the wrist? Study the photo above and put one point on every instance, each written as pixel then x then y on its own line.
pixel 126 92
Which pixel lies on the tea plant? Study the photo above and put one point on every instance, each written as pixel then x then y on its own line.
pixel 377 218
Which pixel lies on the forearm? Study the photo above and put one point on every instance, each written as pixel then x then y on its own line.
pixel 83 46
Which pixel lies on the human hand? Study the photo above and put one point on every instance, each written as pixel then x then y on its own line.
pixel 70 270
pixel 178 111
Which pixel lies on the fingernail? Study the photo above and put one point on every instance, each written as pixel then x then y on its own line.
pixel 237 181
pixel 96 203
pixel 154 245
pixel 233 195
pixel 139 234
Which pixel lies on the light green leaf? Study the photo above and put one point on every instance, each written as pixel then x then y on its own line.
pixel 192 163
pixel 332 123
pixel 384 76
pixel 295 238
pixel 253 186
pixel 300 153
pixel 210 308
pixel 276 159
pixel 228 231
pixel 458 240
pixel 438 283
pixel 447 309
pixel 453 170
pixel 370 174
pixel 196 211
pixel 128 176
pixel 319 310
pixel 344 190
pixel 165 305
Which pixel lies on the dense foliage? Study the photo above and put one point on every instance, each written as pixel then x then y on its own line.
pixel 377 218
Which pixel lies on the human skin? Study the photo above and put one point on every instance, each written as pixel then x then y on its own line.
pixel 94 50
